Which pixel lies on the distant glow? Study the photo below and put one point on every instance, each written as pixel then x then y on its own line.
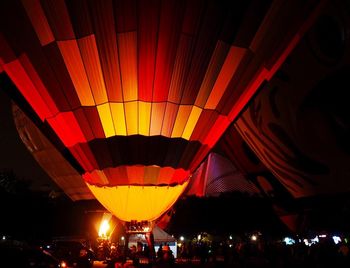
pixel 182 238
pixel 3 237
pixel 63 264
pixel 122 238
pixel 48 246
pixel 199 237
pixel 306 242
pixel 322 236
pixel 230 245
pixel 336 239
pixel 104 227
pixel 289 241
pixel 254 238
pixel 146 229
pixel 230 236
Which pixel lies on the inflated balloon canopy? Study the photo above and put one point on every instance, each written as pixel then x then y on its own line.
pixel 140 91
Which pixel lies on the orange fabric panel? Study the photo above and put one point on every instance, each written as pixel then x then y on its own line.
pixel 135 174
pixel 24 84
pixel 227 71
pixel 144 117
pixel 216 62
pixel 181 120
pixel 169 119
pixel 89 53
pixel 131 116
pixel 157 116
pixel 39 21
pixel 127 43
pixel 72 58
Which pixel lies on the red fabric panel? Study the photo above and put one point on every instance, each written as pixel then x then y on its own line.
pixel 59 20
pixel 179 176
pixel 94 121
pixel 205 45
pixel 218 129
pixel 86 157
pixel 24 84
pixel 192 16
pixel 125 15
pixel 42 90
pixel 105 33
pixel 67 98
pixel 84 124
pixel 168 38
pixel 204 125
pixel 147 44
pixel 182 66
pixel 80 17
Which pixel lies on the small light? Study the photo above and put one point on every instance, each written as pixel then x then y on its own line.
pixel 3 237
pixel 322 236
pixel 199 237
pixel 230 245
pixel 231 237
pixel 63 264
pixel 48 246
pixel 336 239
pixel 122 238
pixel 254 237
pixel 182 238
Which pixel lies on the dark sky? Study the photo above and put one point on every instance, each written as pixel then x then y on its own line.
pixel 14 156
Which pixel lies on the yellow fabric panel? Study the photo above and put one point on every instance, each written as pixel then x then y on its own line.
pixel 228 70
pixel 181 120
pixel 72 58
pixel 144 117
pixel 191 123
pixel 89 53
pixel 38 19
pixel 127 44
pixel 157 116
pixel 131 116
pixel 169 119
pixel 137 202
pixel 118 116
pixel 215 64
pixel 104 112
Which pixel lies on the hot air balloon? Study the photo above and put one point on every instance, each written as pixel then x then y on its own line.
pixel 135 94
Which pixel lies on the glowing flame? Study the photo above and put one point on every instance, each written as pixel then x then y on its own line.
pixel 104 227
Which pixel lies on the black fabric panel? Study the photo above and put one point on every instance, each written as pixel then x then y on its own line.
pixel 142 150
